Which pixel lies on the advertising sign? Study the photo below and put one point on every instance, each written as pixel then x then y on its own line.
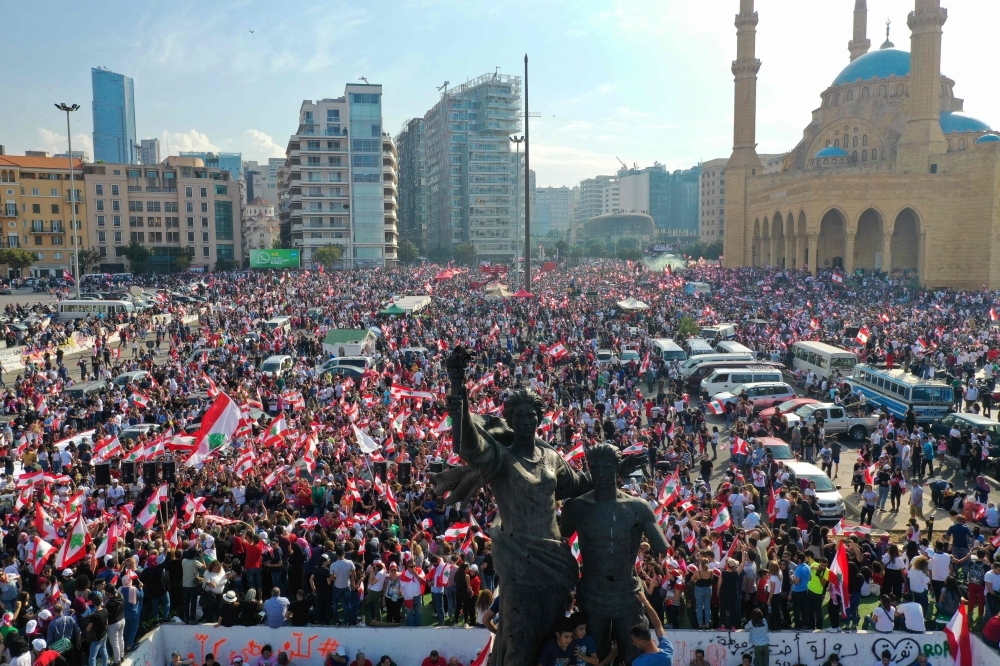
pixel 274 258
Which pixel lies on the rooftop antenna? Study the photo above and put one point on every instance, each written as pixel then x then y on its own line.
pixel 361 78
pixel 496 73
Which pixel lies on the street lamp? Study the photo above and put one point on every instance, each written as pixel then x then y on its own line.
pixel 517 141
pixel 72 196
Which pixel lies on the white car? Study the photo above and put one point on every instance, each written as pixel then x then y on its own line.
pixel 629 355
pixel 761 394
pixel 831 504
pixel 605 357
pixel 275 366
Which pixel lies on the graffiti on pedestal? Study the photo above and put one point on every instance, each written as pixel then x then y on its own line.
pixel 294 648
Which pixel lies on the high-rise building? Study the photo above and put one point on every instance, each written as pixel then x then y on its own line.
pixel 670 198
pixel 598 196
pixel 114 117
pixel 712 204
pixel 231 162
pixel 180 207
pixel 553 209
pixel 339 184
pixel 37 211
pixel 412 190
pixel 469 175
pixel 149 151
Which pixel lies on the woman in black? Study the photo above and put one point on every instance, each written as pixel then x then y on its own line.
pixel 250 609
pixel 731 612
pixel 229 613
pixel 463 593
pixel 296 565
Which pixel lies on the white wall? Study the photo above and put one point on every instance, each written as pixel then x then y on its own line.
pixel 307 646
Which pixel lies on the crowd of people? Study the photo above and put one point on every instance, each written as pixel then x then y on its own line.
pixel 316 505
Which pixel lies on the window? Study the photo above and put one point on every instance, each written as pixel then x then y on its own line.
pixel 116 204
pixel 152 174
pixel 882 91
pixel 53 192
pixel 204 222
pixel 333 115
pixel 155 236
pixel 190 237
pixel 864 93
pixel 854 155
pixel 312 145
pixel 224 252
pixel 137 237
pixel 855 142
pixel 173 237
pixel 206 251
pixel 312 160
pixel 899 90
pixel 36 208
pixel 133 173
pixel 864 140
pixel 874 154
pixel 204 191
pixel 190 222
pixel 850 95
pixel 114 190
pixel 38 240
pixel 34 192
pixel 152 206
pixel 221 190
pixel 204 237
pixel 204 206
pixel 170 207
pixel 102 252
pixel 118 237
pixel 365 98
pixel 189 191
pixel 100 204
pixel 864 155
pixel 102 236
pixel 99 190
pixel 189 206
pixel 116 220
pixel 134 205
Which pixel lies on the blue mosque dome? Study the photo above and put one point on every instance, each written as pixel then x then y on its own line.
pixel 988 138
pixel 832 151
pixel 952 122
pixel 879 64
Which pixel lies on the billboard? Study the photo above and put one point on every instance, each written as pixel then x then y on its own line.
pixel 274 258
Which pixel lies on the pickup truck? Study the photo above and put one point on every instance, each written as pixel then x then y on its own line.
pixel 836 420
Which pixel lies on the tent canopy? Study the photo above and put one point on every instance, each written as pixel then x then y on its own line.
pixel 631 303
pixel 393 310
pixel 521 293
pixel 496 292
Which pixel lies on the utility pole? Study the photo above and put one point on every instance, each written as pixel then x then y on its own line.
pixel 527 175
pixel 72 196
pixel 517 140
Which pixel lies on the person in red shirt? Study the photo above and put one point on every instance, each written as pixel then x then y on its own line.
pixel 254 552
pixel 360 660
pixel 434 660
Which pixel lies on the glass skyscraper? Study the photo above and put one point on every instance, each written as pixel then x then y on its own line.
pixel 114 117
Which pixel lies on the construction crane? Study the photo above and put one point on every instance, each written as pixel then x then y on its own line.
pixel 443 86
pixel 624 166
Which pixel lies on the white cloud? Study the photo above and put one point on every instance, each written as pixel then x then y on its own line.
pixel 54 142
pixel 260 146
pixel 175 142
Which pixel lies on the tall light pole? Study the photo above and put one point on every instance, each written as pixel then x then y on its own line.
pixel 72 196
pixel 527 175
pixel 517 140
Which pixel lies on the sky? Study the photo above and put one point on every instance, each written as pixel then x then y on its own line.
pixel 636 80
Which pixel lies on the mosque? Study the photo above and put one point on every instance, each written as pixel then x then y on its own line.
pixel 890 173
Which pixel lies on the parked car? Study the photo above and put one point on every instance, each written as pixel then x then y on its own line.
pixel 965 422
pixel 761 395
pixel 836 420
pixel 779 448
pixel 831 504
pixel 786 407
pixel 605 357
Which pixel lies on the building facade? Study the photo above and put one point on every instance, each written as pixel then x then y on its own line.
pixel 261 227
pixel 712 203
pixel 469 182
pixel 598 196
pixel 339 183
pixel 37 211
pixel 670 198
pixel 261 181
pixel 178 207
pixel 412 187
pixel 149 151
pixel 890 173
pixel 114 117
pixel 553 209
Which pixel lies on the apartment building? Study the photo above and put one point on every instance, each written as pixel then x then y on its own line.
pixel 552 209
pixel 37 214
pixel 412 190
pixel 339 183
pixel 178 207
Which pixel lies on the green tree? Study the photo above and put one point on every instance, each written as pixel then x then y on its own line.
pixel 89 257
pixel 577 252
pixel 440 255
pixel 465 254
pixel 17 258
pixel 182 261
pixel 563 248
pixel 628 243
pixel 276 244
pixel 687 327
pixel 137 256
pixel 328 255
pixel 407 252
pixel 629 253
pixel 596 248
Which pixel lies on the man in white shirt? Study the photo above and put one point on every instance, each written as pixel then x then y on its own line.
pixel 752 520
pixel 116 494
pixel 239 492
pixel 781 506
pixel 912 614
pixel 940 568
pixel 373 591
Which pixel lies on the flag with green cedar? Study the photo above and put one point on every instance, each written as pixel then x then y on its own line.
pixel 75 546
pixel 217 428
pixel 147 516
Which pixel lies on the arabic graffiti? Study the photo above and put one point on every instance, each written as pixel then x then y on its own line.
pixel 809 648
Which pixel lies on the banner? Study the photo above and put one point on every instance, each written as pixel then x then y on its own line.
pixel 275 258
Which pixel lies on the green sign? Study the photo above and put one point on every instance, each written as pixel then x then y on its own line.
pixel 274 259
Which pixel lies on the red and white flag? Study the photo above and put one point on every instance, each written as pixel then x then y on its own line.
pixel 959 643
pixel 245 463
pixel 39 553
pixel 839 567
pixel 575 453
pixel 574 547
pixel 457 531
pixel 44 525
pixel 107 448
pixel 993 315
pixel 716 407
pixel 837 277
pixel 398 392
pixel 75 547
pixel 213 390
pixel 140 400
pixel 147 516
pixel 863 335
pixel 721 522
pixel 110 542
pixel 172 534
pixel 740 446
pixel 558 352
pixel 814 324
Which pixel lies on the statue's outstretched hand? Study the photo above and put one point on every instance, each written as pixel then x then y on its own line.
pixel 461 482
pixel 631 463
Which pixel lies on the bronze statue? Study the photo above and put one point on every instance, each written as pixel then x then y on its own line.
pixel 536 570
pixel 610 525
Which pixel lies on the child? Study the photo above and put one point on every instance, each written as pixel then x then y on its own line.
pixel 757 626
pixel 558 649
pixel 583 645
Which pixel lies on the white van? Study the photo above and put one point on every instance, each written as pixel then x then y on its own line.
pixel 730 347
pixel 718 332
pixel 724 379
pixel 831 504
pixel 284 323
pixel 823 359
pixel 690 365
pixel 697 347
pixel 667 349
pixel 275 366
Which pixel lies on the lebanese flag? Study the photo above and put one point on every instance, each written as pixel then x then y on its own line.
pixel 245 463
pixel 172 534
pixel 140 400
pixel 390 499
pixel 814 324
pixel 213 390
pixel 740 446
pixel 193 506
pixel 40 405
pixel 147 516
pixel 993 315
pixel 644 366
pixel 44 525
pixel 457 531
pixel 837 277
pixel 716 408
pixel 276 432
pixel 75 547
pixel 575 453
pixel 217 428
pixel 863 335
pixel 691 540
pixel 272 478
pixel 67 275
pixel 574 547
pixel 107 448
pixel 959 643
pixel 110 542
pixel 870 473
pixel 443 425
pixel 634 449
pixel 671 489
pixel 721 522
pixel 398 392
pixel 839 567
pixel 558 352
pixel 39 553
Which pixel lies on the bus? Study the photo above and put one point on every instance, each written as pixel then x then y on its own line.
pixel 896 390
pixel 97 309
pixel 823 359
